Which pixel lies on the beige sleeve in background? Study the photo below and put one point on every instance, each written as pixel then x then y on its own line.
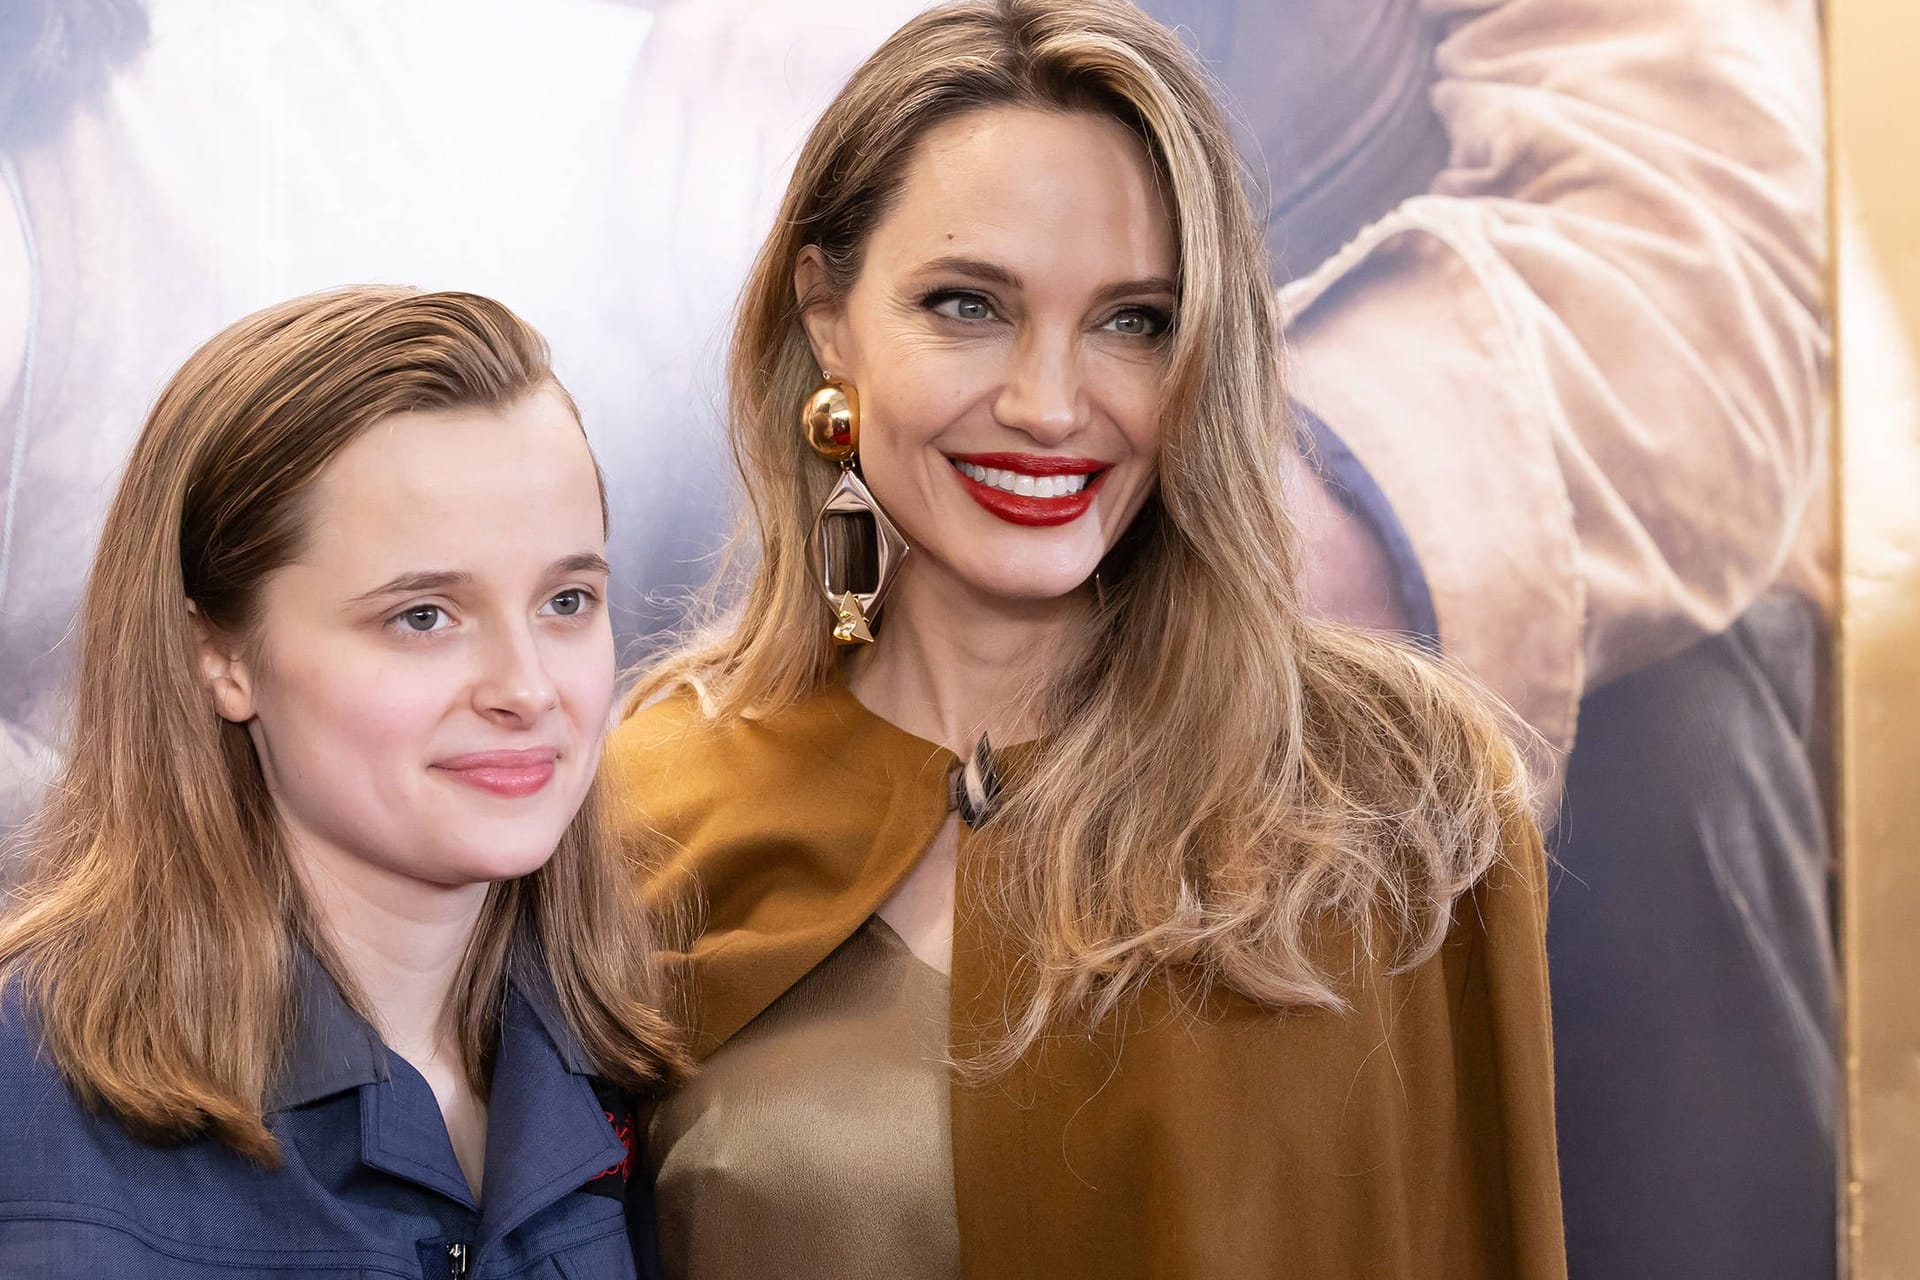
pixel 1589 368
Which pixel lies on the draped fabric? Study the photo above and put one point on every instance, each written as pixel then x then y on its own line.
pixel 1202 1136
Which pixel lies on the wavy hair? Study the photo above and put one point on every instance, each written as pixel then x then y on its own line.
pixel 155 929
pixel 1227 781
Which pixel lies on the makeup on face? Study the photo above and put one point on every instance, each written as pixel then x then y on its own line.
pixel 1008 334
pixel 1035 490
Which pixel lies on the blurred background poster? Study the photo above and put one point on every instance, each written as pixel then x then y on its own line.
pixel 1555 278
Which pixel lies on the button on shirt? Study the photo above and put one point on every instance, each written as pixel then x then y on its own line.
pixel 368 1184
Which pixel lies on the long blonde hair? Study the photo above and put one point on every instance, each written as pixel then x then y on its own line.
pixel 154 931
pixel 1225 778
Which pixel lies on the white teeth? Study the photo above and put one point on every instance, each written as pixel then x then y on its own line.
pixel 1025 486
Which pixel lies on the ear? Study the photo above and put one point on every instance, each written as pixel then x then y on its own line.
pixel 822 315
pixel 223 670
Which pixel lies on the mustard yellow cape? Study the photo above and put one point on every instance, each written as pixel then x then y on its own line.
pixel 1411 1136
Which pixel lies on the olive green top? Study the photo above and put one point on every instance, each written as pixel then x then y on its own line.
pixel 813 1145
pixel 1410 1135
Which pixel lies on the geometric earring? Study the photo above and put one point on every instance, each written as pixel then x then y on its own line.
pixel 857 550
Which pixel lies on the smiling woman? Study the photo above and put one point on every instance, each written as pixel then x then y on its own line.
pixel 1008 354
pixel 323 935
pixel 1095 911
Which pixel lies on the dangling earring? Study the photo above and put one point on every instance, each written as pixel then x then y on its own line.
pixel 856 548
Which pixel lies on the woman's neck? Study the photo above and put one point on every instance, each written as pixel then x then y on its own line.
pixel 951 663
pixel 402 943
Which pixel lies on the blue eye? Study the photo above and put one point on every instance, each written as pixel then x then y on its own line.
pixel 422 618
pixel 573 603
pixel 971 307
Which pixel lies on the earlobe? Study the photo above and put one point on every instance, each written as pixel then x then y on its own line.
pixel 223 671
pixel 820 314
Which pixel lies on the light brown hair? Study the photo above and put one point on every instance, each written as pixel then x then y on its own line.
pixel 155 930
pixel 1227 781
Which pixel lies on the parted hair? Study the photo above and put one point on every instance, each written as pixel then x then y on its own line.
pixel 155 931
pixel 1226 781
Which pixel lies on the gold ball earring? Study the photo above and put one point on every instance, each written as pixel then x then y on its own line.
pixel 832 420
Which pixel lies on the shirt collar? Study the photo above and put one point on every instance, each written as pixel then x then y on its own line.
pixel 528 978
pixel 333 1049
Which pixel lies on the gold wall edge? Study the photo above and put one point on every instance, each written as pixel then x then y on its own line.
pixel 1872 47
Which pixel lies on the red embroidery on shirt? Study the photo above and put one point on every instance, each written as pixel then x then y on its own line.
pixel 622 1130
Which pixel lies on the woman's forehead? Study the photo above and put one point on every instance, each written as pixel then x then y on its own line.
pixel 1030 189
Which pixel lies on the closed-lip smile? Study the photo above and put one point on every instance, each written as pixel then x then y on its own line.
pixel 1031 489
pixel 503 773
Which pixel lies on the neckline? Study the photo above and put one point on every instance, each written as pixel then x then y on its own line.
pixel 900 950
pixel 840 693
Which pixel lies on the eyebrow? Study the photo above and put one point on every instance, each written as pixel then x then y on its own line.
pixel 978 268
pixel 993 272
pixel 443 579
pixel 580 562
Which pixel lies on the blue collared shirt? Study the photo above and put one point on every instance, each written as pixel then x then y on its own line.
pixel 368 1185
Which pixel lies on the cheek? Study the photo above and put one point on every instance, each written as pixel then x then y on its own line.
pixel 913 401
pixel 1129 396
pixel 582 669
pixel 358 710
pixel 916 402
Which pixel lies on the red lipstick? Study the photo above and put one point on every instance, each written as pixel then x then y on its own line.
pixel 503 773
pixel 1022 509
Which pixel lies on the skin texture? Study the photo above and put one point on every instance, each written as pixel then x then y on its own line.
pixel 1050 350
pixel 361 696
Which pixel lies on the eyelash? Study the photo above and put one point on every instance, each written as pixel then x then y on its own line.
pixel 397 622
pixel 1161 322
pixel 938 298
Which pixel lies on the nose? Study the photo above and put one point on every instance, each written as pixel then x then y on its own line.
pixel 514 686
pixel 1043 396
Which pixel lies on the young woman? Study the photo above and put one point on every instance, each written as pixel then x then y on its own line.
pixel 1091 911
pixel 323 965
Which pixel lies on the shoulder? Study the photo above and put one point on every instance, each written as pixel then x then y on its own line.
pixel 680 767
pixel 1497 945
pixel 670 765
pixel 46 1135
pixel 671 725
pixel 24 1061
pixel 1510 897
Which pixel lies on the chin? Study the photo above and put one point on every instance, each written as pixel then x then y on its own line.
pixel 1034 580
pixel 472 865
pixel 494 851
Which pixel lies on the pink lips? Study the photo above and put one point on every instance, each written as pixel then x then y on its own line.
pixel 503 773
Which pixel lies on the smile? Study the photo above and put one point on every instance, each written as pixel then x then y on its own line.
pixel 1030 489
pixel 511 774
